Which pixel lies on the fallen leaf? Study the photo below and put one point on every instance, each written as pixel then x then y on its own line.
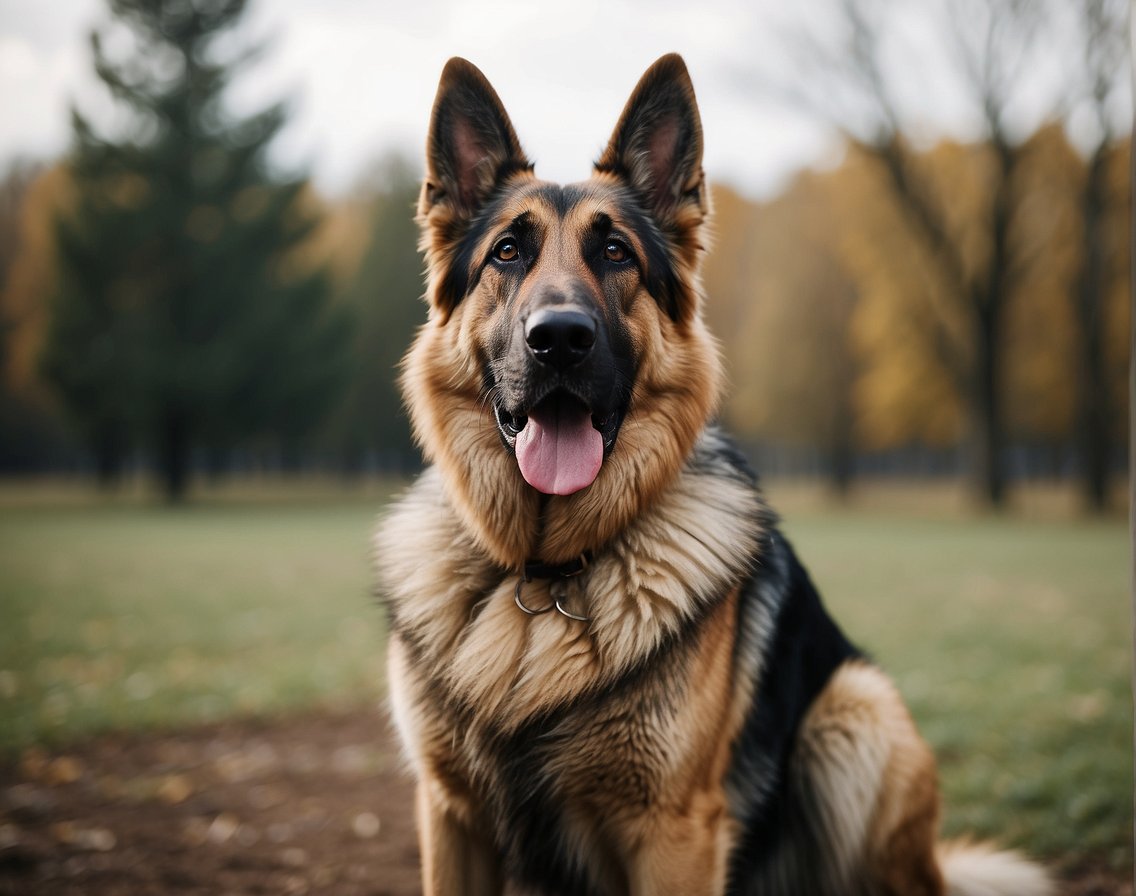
pixel 93 839
pixel 365 825
pixel 9 836
pixel 222 828
pixel 175 789
pixel 294 856
pixel 63 770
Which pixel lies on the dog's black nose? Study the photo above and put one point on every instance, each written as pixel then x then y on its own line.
pixel 560 337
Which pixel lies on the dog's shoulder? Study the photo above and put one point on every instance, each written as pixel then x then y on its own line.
pixel 788 649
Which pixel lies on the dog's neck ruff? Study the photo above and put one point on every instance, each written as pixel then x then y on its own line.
pixel 453 609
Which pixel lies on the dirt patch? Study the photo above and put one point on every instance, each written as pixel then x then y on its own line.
pixel 311 804
pixel 315 804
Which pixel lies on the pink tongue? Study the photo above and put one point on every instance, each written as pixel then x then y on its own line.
pixel 559 451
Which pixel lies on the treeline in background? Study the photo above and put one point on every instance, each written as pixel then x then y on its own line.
pixel 171 305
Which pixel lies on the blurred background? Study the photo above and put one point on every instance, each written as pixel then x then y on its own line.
pixel 208 266
pixel 919 277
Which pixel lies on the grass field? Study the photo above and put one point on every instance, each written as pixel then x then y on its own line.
pixel 1009 637
pixel 127 614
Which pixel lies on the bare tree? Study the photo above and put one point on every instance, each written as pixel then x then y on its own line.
pixel 1099 115
pixel 15 183
pixel 849 71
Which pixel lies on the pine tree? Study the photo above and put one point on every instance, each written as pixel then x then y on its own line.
pixel 373 427
pixel 184 319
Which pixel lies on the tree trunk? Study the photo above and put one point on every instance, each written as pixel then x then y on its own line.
pixel 1093 398
pixel 982 296
pixel 987 435
pixel 841 440
pixel 217 464
pixel 988 296
pixel 173 455
pixel 840 464
pixel 110 449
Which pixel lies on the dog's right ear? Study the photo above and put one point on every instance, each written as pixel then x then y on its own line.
pixel 472 146
pixel 471 149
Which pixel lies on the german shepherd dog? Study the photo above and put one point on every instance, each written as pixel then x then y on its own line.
pixel 609 670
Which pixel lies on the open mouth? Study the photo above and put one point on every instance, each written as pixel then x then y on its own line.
pixel 560 443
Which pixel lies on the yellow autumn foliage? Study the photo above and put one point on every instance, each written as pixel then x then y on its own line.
pixel 827 295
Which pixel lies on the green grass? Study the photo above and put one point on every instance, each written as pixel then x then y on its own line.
pixel 126 615
pixel 1010 638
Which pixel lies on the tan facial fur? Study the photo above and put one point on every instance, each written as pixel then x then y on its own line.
pixel 678 384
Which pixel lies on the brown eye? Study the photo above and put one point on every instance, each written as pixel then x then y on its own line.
pixel 615 251
pixel 506 250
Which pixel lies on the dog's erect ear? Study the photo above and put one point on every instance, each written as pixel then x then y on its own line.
pixel 471 149
pixel 472 146
pixel 657 150
pixel 657 144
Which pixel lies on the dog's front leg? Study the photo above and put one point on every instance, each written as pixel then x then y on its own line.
pixel 684 851
pixel 456 858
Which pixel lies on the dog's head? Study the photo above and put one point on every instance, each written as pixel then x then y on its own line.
pixel 565 353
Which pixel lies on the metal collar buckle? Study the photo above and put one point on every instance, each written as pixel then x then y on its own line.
pixel 535 569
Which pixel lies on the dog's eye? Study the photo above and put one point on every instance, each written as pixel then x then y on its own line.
pixel 615 251
pixel 506 250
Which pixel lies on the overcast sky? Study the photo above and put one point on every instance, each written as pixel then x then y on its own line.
pixel 362 75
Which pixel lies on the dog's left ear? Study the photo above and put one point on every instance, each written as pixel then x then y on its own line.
pixel 657 150
pixel 657 145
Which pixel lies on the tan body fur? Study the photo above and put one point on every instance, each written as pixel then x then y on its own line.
pixel 614 749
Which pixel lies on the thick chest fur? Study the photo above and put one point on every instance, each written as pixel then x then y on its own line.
pixel 644 590
pixel 569 792
pixel 567 734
